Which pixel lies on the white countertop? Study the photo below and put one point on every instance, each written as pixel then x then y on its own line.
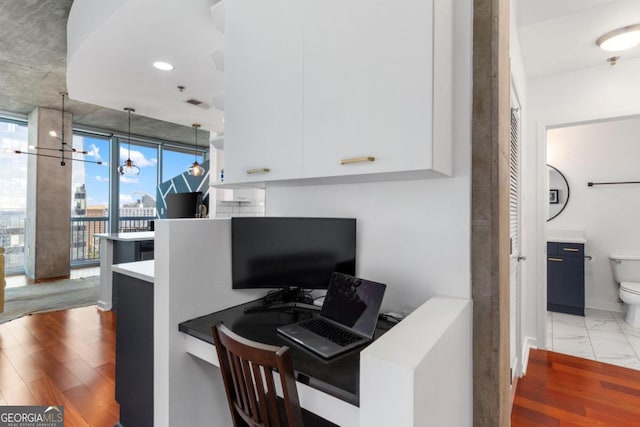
pixel 566 236
pixel 143 270
pixel 132 236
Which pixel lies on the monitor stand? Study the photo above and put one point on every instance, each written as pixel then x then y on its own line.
pixel 289 298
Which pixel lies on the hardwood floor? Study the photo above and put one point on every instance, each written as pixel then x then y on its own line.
pixel 562 390
pixel 62 358
pixel 68 358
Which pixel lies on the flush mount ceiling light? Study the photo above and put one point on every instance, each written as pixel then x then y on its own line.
pixel 164 66
pixel 195 169
pixel 621 39
pixel 127 167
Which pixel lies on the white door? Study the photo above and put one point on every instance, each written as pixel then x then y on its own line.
pixel 516 256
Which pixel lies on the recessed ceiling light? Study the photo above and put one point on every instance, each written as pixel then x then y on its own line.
pixel 164 66
pixel 620 39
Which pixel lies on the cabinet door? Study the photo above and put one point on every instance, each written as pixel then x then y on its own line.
pixel 367 86
pixel 565 278
pixel 263 90
pixel 134 351
pixel 560 285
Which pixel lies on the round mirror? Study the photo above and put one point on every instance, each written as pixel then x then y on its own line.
pixel 558 192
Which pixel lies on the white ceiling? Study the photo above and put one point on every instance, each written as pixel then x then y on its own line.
pixel 113 43
pixel 558 36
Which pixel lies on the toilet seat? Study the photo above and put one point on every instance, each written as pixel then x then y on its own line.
pixel 631 287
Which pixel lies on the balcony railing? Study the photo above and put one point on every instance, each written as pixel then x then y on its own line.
pixel 85 245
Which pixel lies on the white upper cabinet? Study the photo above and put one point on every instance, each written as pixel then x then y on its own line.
pixel 368 87
pixel 263 94
pixel 356 89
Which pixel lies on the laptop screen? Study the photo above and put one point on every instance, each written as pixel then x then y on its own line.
pixel 353 302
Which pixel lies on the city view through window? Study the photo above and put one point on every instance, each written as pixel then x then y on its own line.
pixel 90 191
pixel 13 197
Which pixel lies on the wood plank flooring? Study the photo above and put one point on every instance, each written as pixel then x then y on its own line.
pixel 62 358
pixel 562 390
pixel 68 358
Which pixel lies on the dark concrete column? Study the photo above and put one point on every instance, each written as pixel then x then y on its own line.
pixel 48 199
pixel 490 213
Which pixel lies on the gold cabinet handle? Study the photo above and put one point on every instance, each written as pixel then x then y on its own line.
pixel 570 249
pixel 258 170
pixel 357 160
pixel 555 259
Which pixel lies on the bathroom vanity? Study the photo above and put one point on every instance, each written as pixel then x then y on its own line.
pixel 565 275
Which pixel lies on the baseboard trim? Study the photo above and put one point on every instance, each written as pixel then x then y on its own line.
pixel 103 306
pixel 529 343
pixel 514 387
pixel 606 305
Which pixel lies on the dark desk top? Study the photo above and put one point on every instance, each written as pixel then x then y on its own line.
pixel 339 376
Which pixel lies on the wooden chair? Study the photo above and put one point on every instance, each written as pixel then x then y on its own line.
pixel 247 371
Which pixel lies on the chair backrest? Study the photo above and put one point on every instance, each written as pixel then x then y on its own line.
pixel 247 371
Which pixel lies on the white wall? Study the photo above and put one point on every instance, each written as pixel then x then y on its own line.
pixel 411 235
pixel 425 385
pixel 192 278
pixel 590 94
pixel 603 151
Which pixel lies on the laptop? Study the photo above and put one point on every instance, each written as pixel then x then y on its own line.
pixel 347 319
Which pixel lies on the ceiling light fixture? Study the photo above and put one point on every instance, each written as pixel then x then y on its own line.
pixel 621 39
pixel 66 153
pixel 164 66
pixel 127 167
pixel 195 169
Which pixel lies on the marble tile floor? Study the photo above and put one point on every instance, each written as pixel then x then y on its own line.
pixel 601 335
pixel 21 280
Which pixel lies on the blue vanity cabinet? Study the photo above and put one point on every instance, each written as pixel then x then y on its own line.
pixel 565 277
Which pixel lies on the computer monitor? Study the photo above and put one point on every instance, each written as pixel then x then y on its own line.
pixel 284 252
pixel 183 205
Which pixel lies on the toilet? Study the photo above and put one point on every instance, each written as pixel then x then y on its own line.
pixel 626 272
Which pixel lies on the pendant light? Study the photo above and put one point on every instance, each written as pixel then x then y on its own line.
pixel 66 153
pixel 195 169
pixel 127 167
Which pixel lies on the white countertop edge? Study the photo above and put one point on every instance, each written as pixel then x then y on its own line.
pixel 561 235
pixel 132 236
pixel 143 270
pixel 565 239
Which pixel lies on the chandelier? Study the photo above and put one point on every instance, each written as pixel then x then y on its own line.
pixel 66 152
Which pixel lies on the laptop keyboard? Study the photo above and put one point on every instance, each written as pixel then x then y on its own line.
pixel 330 332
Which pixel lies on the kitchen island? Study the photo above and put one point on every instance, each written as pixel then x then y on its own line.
pixel 117 248
pixel 133 286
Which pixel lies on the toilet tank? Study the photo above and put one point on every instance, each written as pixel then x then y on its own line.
pixel 626 268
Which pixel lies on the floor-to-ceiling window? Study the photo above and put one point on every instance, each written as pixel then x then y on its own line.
pixel 176 161
pixel 89 196
pixel 136 194
pixel 13 197
pixel 91 188
pixel 137 198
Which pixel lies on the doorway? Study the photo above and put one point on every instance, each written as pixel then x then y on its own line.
pixel 598 159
